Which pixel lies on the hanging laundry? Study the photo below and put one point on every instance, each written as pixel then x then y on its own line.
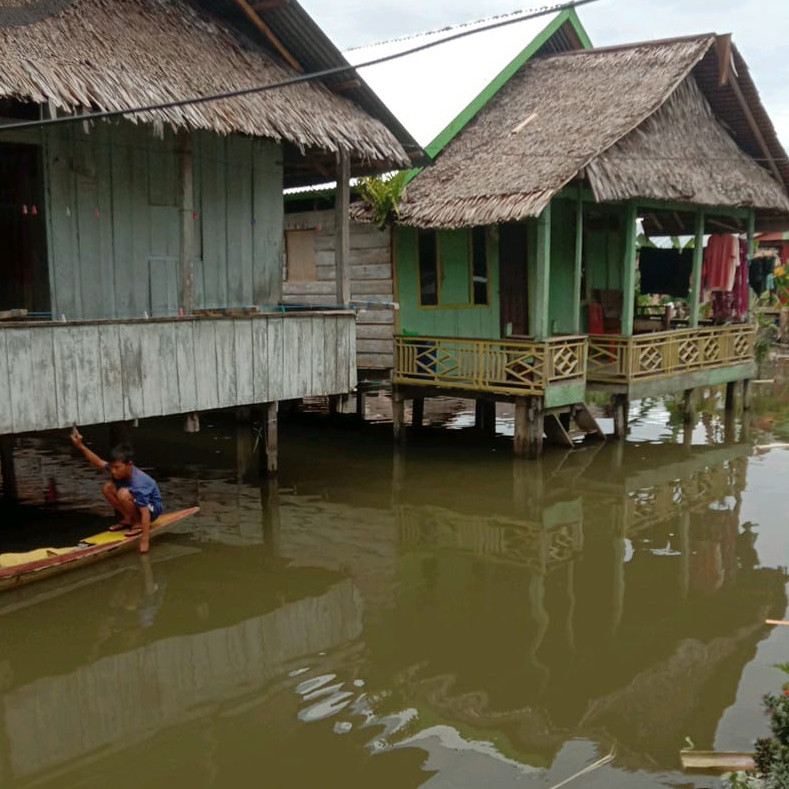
pixel 760 271
pixel 721 257
pixel 665 271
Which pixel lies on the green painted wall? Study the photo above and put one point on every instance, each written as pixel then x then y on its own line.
pixel 455 316
pixel 113 220
pixel 563 301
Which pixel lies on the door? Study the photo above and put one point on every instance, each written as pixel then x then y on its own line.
pixel 513 280
pixel 24 277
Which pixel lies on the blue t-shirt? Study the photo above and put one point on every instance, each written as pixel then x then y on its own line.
pixel 144 490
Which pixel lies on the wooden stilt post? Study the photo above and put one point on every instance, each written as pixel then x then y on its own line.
pixel 269 501
pixel 521 441
pixel 689 407
pixel 621 407
pixel 536 427
pixel 398 415
pixel 192 423
pixel 8 468
pixel 730 395
pixel 244 443
pixel 361 390
pixel 418 412
pixel 272 437
pixel 746 394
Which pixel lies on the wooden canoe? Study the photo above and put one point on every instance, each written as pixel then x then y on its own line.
pixel 90 550
pixel 716 761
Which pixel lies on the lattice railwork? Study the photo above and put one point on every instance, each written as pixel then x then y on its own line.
pixel 614 359
pixel 518 367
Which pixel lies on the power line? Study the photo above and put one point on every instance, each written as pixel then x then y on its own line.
pixel 297 80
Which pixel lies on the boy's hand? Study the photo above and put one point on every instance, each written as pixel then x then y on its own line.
pixel 76 437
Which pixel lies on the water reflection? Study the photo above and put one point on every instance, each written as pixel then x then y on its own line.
pixel 466 619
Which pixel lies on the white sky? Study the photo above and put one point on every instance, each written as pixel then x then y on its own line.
pixel 425 96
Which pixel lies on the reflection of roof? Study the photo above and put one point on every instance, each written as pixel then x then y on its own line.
pixel 90 55
pixel 624 116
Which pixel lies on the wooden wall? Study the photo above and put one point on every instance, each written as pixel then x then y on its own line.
pixel 371 283
pixel 446 320
pixel 97 372
pixel 112 219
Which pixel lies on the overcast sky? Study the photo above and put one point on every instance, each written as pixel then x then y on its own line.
pixel 760 29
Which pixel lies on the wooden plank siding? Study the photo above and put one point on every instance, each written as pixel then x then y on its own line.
pixel 102 371
pixel 371 283
pixel 112 220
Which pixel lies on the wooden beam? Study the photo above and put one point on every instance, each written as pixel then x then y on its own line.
pixel 629 271
pixel 578 269
pixel 735 86
pixel 723 45
pixel 186 225
pixel 268 33
pixel 342 230
pixel 268 5
pixel 695 276
pixel 349 84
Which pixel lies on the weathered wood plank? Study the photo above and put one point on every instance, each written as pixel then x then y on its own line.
pixel 6 412
pixel 374 331
pixel 330 353
pixel 373 346
pixel 111 373
pixel 305 352
pixel 323 289
pixel 167 371
pixel 373 287
pixel 372 361
pixel 260 362
pixel 291 358
pixel 122 221
pixel 268 211
pixel 42 354
pixel 206 365
pixel 185 366
pixel 87 361
pixel 213 215
pixel 243 352
pixel 276 358
pixel 153 370
pixel 239 221
pixel 381 317
pixel 20 372
pixel 65 376
pixel 226 362
pixel 131 370
pixel 318 359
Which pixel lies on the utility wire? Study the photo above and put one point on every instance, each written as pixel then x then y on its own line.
pixel 297 80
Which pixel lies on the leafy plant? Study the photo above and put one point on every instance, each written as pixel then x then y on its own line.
pixel 383 195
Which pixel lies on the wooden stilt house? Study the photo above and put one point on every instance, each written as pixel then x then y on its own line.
pixel 526 227
pixel 146 251
pixel 309 217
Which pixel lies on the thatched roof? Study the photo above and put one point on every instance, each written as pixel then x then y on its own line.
pixel 117 54
pixel 632 119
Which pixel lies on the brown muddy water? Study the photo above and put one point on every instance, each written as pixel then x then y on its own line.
pixel 445 617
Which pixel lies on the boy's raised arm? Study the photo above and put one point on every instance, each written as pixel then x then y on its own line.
pixel 90 456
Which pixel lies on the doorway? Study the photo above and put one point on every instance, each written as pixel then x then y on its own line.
pixel 513 279
pixel 24 273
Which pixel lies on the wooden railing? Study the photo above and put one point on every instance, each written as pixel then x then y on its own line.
pixel 517 367
pixel 615 359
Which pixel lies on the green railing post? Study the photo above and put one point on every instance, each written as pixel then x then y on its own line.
pixel 695 277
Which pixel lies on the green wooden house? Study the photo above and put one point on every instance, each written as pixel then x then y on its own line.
pixel 146 249
pixel 528 220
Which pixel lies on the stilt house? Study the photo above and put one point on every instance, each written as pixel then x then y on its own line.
pixel 525 230
pixel 146 251
pixel 309 218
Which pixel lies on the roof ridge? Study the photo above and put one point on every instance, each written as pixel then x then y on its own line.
pixel 699 37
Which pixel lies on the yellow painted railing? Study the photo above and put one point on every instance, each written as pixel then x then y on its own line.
pixel 517 367
pixel 615 359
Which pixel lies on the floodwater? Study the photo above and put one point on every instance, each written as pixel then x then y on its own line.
pixel 443 617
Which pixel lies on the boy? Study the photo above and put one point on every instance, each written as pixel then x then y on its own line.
pixel 132 493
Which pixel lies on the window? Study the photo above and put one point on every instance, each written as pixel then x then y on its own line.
pixel 479 266
pixel 428 268
pixel 300 256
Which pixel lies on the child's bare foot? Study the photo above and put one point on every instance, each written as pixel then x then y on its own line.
pixel 133 532
pixel 119 526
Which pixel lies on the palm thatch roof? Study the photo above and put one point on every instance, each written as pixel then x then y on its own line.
pixel 119 54
pixel 637 121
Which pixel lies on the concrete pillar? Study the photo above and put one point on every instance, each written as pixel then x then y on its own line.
pixel 8 468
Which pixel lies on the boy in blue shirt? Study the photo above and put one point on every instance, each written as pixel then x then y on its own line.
pixel 131 492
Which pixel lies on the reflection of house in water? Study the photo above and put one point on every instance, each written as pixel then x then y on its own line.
pixel 233 645
pixel 634 600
